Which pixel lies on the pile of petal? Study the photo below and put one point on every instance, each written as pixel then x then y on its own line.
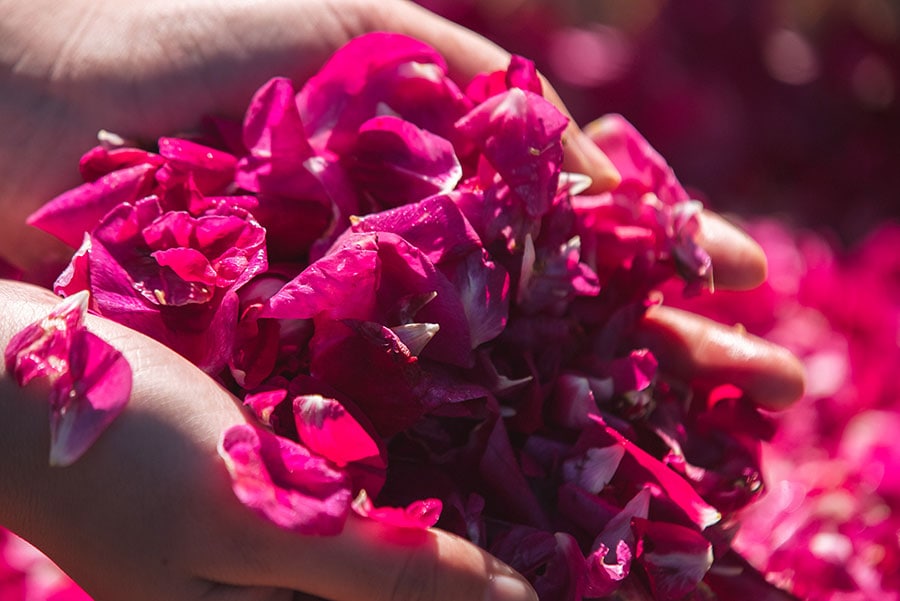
pixel 431 320
pixel 827 527
pixel 26 574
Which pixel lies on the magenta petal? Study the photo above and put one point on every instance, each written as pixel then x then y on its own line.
pixel 72 213
pixel 187 263
pixel 434 225
pixel 326 428
pixel 281 481
pixel 641 167
pixel 593 469
pixel 520 134
pixel 100 160
pixel 397 163
pixel 342 284
pixel 275 137
pixel 376 74
pixel 675 558
pixel 633 373
pixel 368 363
pixel 522 74
pixel 265 403
pixel 483 288
pixel 672 484
pixel 272 125
pixel 89 399
pixel 418 514
pixel 90 381
pixel 212 170
pixel 602 578
pixel 41 349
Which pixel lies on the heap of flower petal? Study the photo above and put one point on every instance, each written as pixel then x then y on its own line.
pixel 438 228
pixel 362 297
pixel 90 381
pixel 171 275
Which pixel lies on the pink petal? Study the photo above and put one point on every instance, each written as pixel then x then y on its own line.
pixel 281 481
pixel 374 74
pixel 188 264
pixel 89 399
pixel 276 139
pixel 520 134
pixel 675 558
pixel 418 514
pixel 641 167
pixel 41 349
pixel 522 74
pixel 90 381
pixel 79 210
pixel 265 403
pixel 326 428
pixel 602 578
pixel 673 485
pixel 397 163
pixel 434 225
pixel 211 170
pixel 368 363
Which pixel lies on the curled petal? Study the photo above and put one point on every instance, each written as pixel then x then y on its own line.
pixel 283 482
pixel 87 401
pixel 398 163
pixel 675 558
pixel 90 381
pixel 671 483
pixel 418 514
pixel 78 211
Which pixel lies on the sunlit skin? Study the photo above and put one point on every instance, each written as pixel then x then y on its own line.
pixel 148 512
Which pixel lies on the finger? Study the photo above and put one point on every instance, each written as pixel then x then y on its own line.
pixel 705 354
pixel 739 263
pixel 469 54
pixel 371 561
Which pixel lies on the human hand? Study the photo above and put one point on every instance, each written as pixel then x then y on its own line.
pixel 148 512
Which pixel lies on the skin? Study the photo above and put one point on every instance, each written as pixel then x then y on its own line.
pixel 148 512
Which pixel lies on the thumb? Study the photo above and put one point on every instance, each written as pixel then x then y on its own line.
pixel 369 560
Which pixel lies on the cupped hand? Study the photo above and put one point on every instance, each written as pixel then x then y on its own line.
pixel 148 512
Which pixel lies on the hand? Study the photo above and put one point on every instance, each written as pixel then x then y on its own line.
pixel 148 512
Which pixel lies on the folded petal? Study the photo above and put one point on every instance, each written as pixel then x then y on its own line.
pixel 418 514
pixel 283 482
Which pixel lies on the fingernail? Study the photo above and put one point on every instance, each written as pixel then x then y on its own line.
pixel 508 588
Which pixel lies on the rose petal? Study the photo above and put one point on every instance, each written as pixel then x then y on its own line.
pixel 281 481
pixel 326 428
pixel 418 514
pixel 87 401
